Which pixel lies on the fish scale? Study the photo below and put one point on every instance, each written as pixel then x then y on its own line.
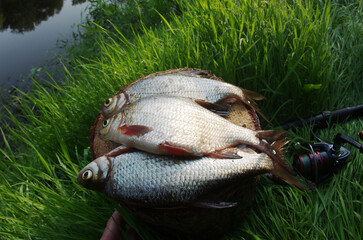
pixel 177 84
pixel 179 121
pixel 196 84
pixel 181 127
pixel 154 180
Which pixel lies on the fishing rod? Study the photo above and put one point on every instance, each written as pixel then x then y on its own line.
pixel 320 160
pixel 321 120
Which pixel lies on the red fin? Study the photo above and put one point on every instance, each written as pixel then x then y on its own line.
pixel 211 106
pixel 120 151
pixel 272 135
pixel 173 150
pixel 223 155
pixel 134 130
pixel 221 110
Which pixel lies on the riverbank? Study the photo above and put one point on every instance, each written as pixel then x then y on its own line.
pixel 34 36
pixel 303 56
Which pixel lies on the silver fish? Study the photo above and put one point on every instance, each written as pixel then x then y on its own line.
pixel 160 181
pixel 178 126
pixel 211 91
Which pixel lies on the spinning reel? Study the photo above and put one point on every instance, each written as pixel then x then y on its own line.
pixel 324 158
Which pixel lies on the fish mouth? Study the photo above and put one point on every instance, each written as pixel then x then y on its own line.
pixel 103 134
pixel 79 177
pixel 100 170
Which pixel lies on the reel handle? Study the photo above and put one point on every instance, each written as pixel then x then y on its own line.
pixel 342 138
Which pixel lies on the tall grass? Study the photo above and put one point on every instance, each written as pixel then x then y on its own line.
pixel 127 16
pixel 285 54
pixel 304 56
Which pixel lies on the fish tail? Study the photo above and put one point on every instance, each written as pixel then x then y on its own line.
pixel 281 168
pixel 295 180
pixel 254 106
pixel 271 135
pixel 272 143
pixel 252 95
pixel 249 99
pixel 274 150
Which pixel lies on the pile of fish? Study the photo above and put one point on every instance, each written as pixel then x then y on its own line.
pixel 177 147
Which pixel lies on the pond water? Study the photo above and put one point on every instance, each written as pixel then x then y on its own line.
pixel 31 32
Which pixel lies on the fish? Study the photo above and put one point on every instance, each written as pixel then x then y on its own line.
pixel 210 91
pixel 178 126
pixel 151 180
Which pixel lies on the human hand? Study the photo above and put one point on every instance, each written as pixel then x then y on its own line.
pixel 112 230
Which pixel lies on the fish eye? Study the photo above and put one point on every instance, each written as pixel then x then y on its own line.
pixel 105 123
pixel 108 102
pixel 87 175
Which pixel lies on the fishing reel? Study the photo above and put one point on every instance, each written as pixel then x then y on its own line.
pixel 322 159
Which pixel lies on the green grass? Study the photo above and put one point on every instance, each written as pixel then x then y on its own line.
pixel 127 16
pixel 304 56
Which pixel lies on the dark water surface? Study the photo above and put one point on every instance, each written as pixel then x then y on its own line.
pixel 31 32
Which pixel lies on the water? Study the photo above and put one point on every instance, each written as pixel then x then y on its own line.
pixel 30 35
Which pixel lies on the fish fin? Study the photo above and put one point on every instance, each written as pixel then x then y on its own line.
pixel 174 150
pixel 134 130
pixel 271 135
pixel 119 151
pixel 194 72
pixel 221 113
pixel 231 99
pixel 215 205
pixel 252 95
pixel 223 154
pixel 279 176
pixel 252 104
pixel 292 178
pixel 250 98
pixel 275 152
pixel 228 100
pixel 221 110
pixel 213 106
pixel 281 168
